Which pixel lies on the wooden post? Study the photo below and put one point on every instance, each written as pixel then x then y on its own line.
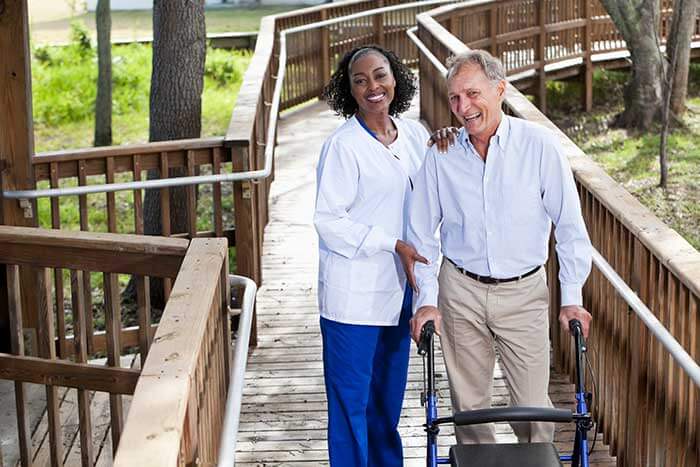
pixel 378 22
pixel 245 202
pixel 493 28
pixel 587 72
pixel 325 51
pixel 16 144
pixel 541 58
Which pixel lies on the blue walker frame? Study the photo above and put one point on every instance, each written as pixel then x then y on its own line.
pixel 582 417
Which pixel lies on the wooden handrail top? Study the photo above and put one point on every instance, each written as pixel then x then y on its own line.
pixel 428 21
pixel 159 408
pixel 474 6
pixel 242 123
pixel 92 251
pixel 361 14
pixel 666 244
pixel 119 243
pixel 127 150
pixel 68 374
pixel 318 8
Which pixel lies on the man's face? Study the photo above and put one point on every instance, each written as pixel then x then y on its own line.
pixel 475 101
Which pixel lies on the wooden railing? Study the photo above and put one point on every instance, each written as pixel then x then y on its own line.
pixel 91 166
pixel 645 404
pixel 529 35
pixel 313 53
pixel 62 362
pixel 177 410
pixel 179 394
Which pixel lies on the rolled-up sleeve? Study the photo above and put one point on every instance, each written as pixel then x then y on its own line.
pixel 562 204
pixel 337 181
pixel 425 215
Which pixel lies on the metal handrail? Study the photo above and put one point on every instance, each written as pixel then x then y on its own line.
pixel 229 432
pixel 411 33
pixel 250 175
pixel 362 14
pixel 677 352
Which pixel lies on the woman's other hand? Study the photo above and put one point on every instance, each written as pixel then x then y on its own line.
pixel 409 256
pixel 444 138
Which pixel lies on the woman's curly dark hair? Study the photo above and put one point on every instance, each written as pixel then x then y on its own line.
pixel 337 92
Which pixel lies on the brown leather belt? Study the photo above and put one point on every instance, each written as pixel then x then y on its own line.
pixel 493 280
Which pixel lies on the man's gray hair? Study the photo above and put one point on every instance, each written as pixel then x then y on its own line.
pixel 490 65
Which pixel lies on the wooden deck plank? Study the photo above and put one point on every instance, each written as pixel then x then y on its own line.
pixel 283 417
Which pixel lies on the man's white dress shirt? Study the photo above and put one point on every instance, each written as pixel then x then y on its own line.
pixel 361 206
pixel 494 217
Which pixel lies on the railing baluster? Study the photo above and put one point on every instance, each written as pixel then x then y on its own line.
pixel 138 197
pixel 81 356
pixel 165 214
pixel 216 190
pixel 143 289
pixel 111 200
pixel 14 302
pixel 113 329
pixel 682 406
pixel 87 286
pixel 47 350
pixel 58 273
pixel 191 197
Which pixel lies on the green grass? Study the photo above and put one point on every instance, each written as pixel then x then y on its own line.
pixel 63 86
pixel 633 159
pixel 135 24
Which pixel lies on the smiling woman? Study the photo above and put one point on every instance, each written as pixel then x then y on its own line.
pixel 364 181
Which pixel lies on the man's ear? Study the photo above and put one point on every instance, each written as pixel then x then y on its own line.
pixel 501 88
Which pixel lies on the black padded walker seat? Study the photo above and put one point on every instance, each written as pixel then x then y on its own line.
pixel 502 455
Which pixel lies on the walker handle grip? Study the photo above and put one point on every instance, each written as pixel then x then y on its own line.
pixel 426 337
pixel 512 414
pixel 575 328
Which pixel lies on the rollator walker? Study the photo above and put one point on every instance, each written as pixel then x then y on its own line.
pixel 501 455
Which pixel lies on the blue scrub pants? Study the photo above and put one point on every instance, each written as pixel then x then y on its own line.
pixel 365 370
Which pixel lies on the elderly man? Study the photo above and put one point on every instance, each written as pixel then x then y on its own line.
pixel 494 196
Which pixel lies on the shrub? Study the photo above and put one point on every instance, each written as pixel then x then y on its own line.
pixel 223 66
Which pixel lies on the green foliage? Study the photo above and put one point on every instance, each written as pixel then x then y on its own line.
pixel 608 85
pixel 64 91
pixel 223 67
pixel 64 82
pixel 80 38
pixel 633 159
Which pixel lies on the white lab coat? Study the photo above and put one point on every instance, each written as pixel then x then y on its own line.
pixel 361 204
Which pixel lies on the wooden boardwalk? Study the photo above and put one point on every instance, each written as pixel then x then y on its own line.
pixel 283 419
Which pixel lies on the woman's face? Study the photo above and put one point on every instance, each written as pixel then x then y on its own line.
pixel 372 83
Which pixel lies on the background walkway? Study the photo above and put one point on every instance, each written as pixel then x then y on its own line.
pixel 283 419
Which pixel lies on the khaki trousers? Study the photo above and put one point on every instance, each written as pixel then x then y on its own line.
pixel 479 318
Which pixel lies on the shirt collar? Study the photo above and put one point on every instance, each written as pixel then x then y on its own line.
pixel 500 138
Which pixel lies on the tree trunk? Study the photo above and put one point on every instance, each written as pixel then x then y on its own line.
pixel 103 102
pixel 678 45
pixel 637 22
pixel 177 80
